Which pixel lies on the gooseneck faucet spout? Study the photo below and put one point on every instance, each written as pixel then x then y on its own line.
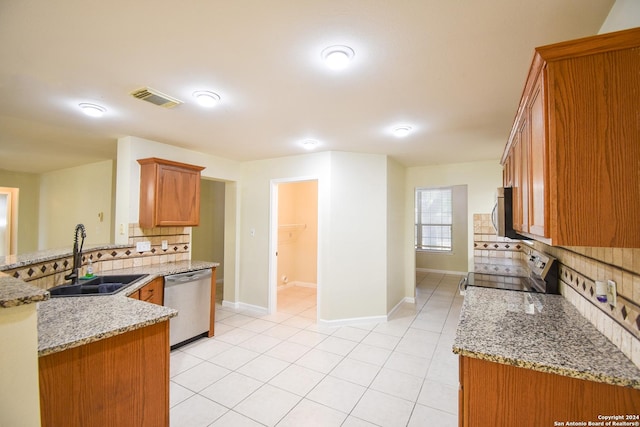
pixel 77 254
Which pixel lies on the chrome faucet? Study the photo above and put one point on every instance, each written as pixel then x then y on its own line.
pixel 77 254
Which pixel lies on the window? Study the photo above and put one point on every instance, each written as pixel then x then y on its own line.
pixel 434 219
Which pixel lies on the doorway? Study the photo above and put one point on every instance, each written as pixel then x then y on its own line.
pixel 207 239
pixel 294 237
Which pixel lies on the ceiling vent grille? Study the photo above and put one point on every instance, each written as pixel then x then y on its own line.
pixel 156 97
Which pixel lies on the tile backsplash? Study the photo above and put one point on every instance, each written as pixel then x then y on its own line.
pixel 579 268
pixel 51 272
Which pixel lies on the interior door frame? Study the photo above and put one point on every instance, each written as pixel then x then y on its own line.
pixel 11 241
pixel 273 241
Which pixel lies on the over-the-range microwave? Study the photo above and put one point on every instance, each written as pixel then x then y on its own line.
pixel 502 215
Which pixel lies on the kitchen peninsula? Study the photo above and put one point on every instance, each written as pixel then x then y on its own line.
pixel 102 357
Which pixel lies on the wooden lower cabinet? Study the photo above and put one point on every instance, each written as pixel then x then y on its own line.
pixel 494 394
pixel 152 292
pixel 118 381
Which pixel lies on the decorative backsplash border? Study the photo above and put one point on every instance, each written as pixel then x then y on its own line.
pixel 579 268
pixel 51 273
pixel 487 245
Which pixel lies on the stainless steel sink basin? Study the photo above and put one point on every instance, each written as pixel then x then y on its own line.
pixel 99 285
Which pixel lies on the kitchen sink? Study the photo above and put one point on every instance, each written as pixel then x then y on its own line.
pixel 99 285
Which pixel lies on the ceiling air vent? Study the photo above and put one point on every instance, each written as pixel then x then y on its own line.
pixel 156 97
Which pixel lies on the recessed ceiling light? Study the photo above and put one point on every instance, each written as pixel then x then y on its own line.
pixel 338 57
pixel 206 98
pixel 309 144
pixel 92 110
pixel 402 131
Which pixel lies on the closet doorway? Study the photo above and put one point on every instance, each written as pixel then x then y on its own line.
pixel 293 287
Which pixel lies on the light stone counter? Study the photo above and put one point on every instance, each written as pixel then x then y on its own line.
pixel 14 292
pixel 65 323
pixel 541 332
pixel 69 322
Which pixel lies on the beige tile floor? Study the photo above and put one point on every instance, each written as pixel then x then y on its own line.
pixel 284 370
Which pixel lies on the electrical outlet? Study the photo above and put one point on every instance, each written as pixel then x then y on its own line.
pixel 612 293
pixel 143 246
pixel 165 245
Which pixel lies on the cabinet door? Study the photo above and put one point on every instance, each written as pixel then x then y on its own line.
pixel 153 292
pixel 507 172
pixel 178 197
pixel 525 174
pixel 538 206
pixel 169 193
pixel 495 394
pixel 516 154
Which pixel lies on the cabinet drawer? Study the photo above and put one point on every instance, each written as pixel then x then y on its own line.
pixel 153 292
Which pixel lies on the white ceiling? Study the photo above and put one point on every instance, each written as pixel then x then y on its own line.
pixel 452 69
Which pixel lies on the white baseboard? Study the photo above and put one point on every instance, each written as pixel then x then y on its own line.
pixel 352 321
pixel 410 300
pixel 241 306
pixel 431 270
pixel 230 304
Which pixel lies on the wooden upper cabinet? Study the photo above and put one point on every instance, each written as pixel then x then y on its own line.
pixel 538 205
pixel 581 102
pixel 523 132
pixel 169 193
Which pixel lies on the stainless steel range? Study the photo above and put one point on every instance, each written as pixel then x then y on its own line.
pixel 539 273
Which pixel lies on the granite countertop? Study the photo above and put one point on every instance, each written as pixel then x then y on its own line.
pixel 14 292
pixel 540 332
pixel 65 323
pixel 69 322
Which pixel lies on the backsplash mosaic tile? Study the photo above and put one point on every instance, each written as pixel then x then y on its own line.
pixel 51 273
pixel 579 268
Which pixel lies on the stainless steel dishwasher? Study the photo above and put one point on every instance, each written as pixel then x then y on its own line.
pixel 190 294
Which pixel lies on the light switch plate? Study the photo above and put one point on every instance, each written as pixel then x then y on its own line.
pixel 143 246
pixel 612 293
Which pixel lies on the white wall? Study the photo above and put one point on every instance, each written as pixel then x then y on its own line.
pixel 399 286
pixel 130 149
pixel 76 196
pixel 258 177
pixel 19 391
pixel 354 276
pixel 352 247
pixel 623 15
pixel 482 180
